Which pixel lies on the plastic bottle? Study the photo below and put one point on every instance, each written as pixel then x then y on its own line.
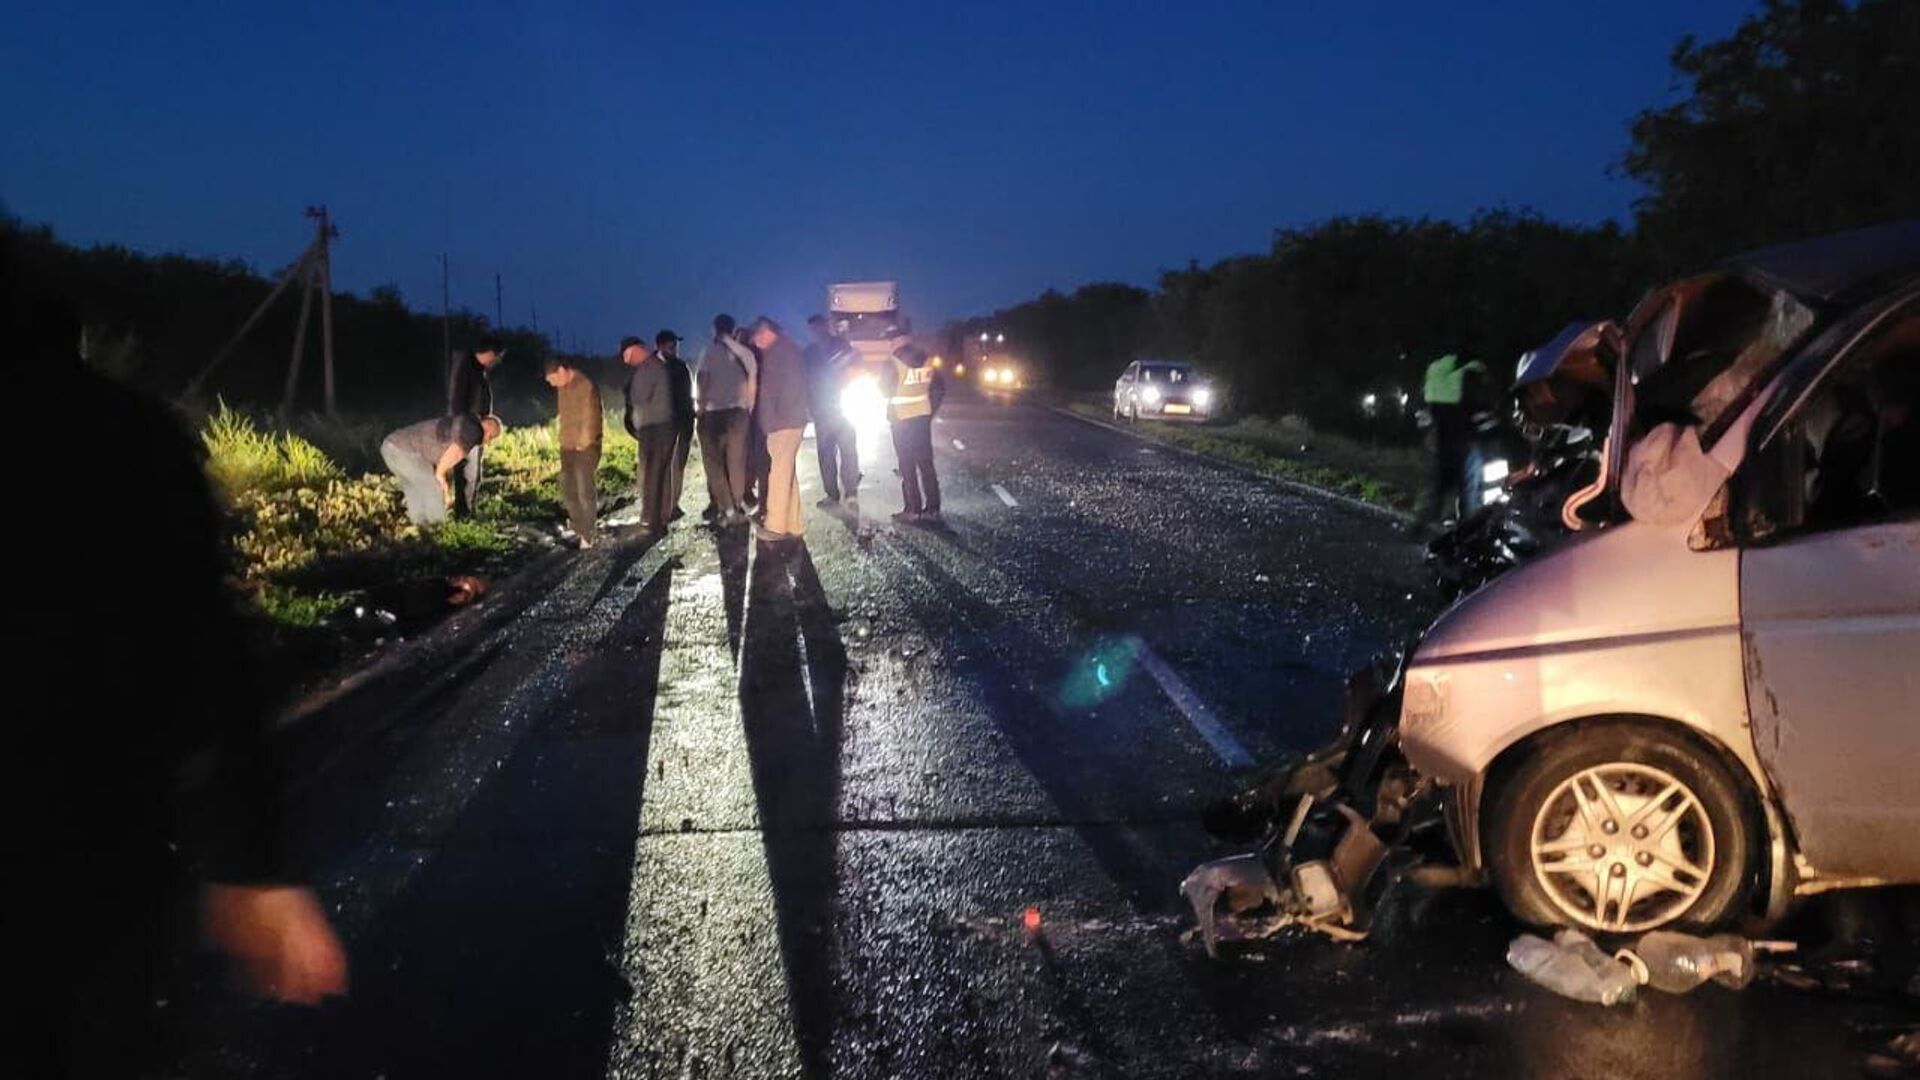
pixel 1572 966
pixel 1676 963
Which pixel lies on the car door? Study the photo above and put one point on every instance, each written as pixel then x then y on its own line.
pixel 1830 624
pixel 1123 389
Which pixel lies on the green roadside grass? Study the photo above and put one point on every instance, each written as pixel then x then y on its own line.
pixel 1389 477
pixel 317 525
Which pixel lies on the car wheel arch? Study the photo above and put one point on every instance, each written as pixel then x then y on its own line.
pixel 1766 826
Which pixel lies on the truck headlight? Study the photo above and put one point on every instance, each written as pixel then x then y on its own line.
pixel 864 406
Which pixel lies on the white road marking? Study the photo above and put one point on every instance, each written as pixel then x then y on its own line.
pixel 1002 492
pixel 1195 710
pixel 958 445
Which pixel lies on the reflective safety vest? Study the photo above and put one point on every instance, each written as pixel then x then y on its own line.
pixel 912 391
pixel 1447 379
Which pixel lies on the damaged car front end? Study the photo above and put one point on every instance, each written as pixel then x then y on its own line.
pixel 1335 829
pixel 1676 714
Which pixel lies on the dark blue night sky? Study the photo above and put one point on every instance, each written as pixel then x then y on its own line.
pixel 627 166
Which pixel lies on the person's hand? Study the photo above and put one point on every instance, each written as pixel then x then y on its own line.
pixel 278 938
pixel 446 493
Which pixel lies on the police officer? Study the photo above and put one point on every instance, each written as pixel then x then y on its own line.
pixel 910 401
pixel 1453 389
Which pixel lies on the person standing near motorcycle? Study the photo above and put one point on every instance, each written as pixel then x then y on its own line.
pixel 1453 390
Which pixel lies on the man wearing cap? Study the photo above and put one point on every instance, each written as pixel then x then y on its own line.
pixel 725 382
pixel 781 411
pixel 470 393
pixel 649 419
pixel 680 380
pixel 833 438
pixel 910 412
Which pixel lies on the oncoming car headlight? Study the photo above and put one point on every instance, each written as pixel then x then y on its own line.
pixel 1150 395
pixel 1202 397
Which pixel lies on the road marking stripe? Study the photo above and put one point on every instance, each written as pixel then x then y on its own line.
pixel 958 445
pixel 1002 492
pixel 1195 710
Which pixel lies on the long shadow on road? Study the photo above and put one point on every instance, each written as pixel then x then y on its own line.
pixel 500 958
pixel 793 671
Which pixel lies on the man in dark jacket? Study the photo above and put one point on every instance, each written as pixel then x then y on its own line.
pixel 650 420
pixel 470 393
pixel 680 383
pixel 725 402
pixel 780 410
pixel 144 766
pixel 833 438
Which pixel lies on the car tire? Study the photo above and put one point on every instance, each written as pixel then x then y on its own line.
pixel 1690 866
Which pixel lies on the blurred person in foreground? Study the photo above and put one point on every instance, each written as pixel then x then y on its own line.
pixel 581 425
pixel 780 411
pixel 143 766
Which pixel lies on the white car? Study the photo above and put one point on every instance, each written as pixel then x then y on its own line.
pixel 1711 703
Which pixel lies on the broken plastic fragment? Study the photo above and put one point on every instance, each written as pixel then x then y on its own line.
pixel 1243 884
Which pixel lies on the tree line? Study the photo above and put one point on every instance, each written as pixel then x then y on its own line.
pixel 1801 122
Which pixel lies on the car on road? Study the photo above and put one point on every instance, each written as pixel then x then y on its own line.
pixel 1707 704
pixel 1163 390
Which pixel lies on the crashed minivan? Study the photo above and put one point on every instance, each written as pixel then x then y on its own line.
pixel 1707 700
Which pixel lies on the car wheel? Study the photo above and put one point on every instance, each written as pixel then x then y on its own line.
pixel 1621 829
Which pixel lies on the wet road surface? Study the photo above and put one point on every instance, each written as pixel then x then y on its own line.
pixel 686 809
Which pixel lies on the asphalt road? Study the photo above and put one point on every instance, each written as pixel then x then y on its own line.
pixel 684 810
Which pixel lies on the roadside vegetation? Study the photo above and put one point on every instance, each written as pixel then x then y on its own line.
pixel 1384 474
pixel 319 527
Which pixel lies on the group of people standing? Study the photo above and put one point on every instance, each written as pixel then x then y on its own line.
pixel 747 402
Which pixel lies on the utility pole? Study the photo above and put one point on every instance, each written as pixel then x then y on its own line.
pixel 326 235
pixel 445 366
pixel 316 277
pixel 499 312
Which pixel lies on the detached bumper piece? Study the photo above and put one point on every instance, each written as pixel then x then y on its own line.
pixel 1337 830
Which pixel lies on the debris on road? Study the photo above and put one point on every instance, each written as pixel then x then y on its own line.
pixel 1336 828
pixel 406 607
pixel 1572 966
pixel 1234 899
pixel 1677 963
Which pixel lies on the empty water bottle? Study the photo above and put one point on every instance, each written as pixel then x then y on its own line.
pixel 1572 966
pixel 1676 963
